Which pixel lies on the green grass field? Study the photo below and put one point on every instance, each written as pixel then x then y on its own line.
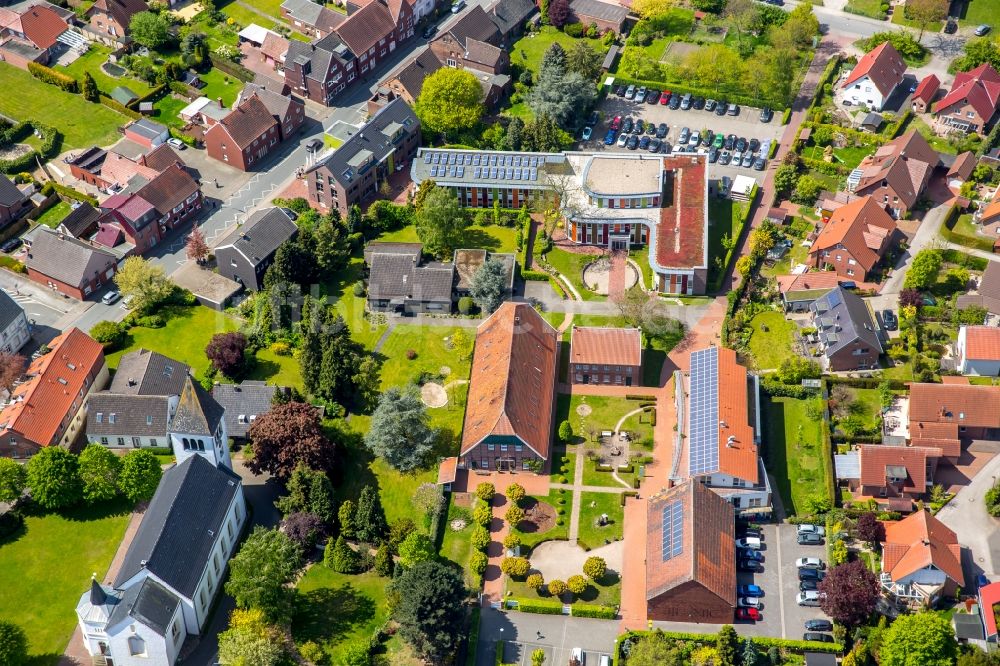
pixel 340 290
pixel 455 546
pixel 53 216
pixel 725 219
pixel 795 453
pixel 166 110
pixel 45 569
pixel 571 265
pixel 219 84
pixel 492 238
pixel 770 348
pixel 81 123
pixel 558 532
pixel 592 506
pixel 604 413
pixel 981 11
pixel 92 61
pixel 849 157
pixel 866 404
pixel 527 52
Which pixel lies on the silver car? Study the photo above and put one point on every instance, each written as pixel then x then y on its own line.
pixel 747 159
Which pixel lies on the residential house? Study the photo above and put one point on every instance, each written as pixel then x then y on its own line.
pixel 896 174
pixel 172 571
pixel 988 597
pixel 609 200
pixel 353 173
pixel 245 136
pixel 690 556
pixel 605 355
pixel 14 204
pixel 110 171
pixel 48 407
pixel 243 403
pixel 978 350
pixel 468 262
pixel 81 222
pixel 511 401
pixel 948 416
pixel 146 133
pixel 112 17
pixel 288 110
pixel 921 561
pixel 407 81
pixel 722 429
pixel 399 283
pixel 800 290
pixel 71 267
pixel 36 31
pixel 896 472
pixel 988 219
pixel 854 240
pixel 847 333
pixel 925 94
pixel 876 76
pixel 311 18
pixel 14 331
pixel 987 293
pixel 473 41
pixel 969 630
pixel 971 104
pixel 960 169
pixel 324 68
pixel 510 17
pixel 246 253
pixel 606 16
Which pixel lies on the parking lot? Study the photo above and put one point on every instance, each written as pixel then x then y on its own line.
pixel 781 615
pixel 746 124
pixel 557 635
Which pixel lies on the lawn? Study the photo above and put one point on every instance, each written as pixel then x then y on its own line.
pixel 81 123
pixel 270 7
pixel 278 370
pixel 219 84
pixel 798 254
pixel 340 290
pixel 456 546
pixel 869 8
pixel 592 507
pixel 899 18
pixel 527 52
pixel 938 143
pixel 53 216
pixel 725 219
pixel 45 568
pixel 605 412
pixel 92 61
pixel 771 347
pixel 981 11
pixel 640 256
pixel 167 110
pixel 571 265
pixel 433 352
pixel 336 610
pixel 492 238
pixel 558 532
pixel 849 156
pixel 795 451
pixel 866 404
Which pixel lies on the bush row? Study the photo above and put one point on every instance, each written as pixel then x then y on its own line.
pixel 534 276
pixel 588 610
pixel 75 195
pixel 119 107
pixel 51 144
pixel 866 382
pixel 52 77
pixel 827 77
pixel 949 233
pixel 790 644
pixel 232 69
pixel 539 606
pixel 822 166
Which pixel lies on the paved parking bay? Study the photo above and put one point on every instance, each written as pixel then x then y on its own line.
pixel 558 635
pixel 747 124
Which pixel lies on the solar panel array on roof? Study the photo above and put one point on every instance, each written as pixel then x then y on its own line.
pixel 704 407
pixel 489 166
pixel 673 529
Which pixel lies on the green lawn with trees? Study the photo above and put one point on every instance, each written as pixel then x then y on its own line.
pixel 794 453
pixel 592 507
pixel 53 216
pixel 772 346
pixel 91 63
pixel 526 53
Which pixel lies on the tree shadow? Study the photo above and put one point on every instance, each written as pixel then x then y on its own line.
pixel 327 614
pixel 480 239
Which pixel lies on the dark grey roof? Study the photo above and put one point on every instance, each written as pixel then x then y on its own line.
pixel 145 372
pixel 9 310
pixel 968 626
pixel 21 48
pixel 820 659
pixel 474 24
pixel 395 276
pixel 511 14
pixel 180 527
pixel 66 259
pixel 843 317
pixel 988 295
pixel 148 603
pixel 411 76
pixel 197 411
pixel 147 128
pixel 319 54
pixel 411 250
pixel 9 194
pixel 599 10
pixel 127 415
pixel 259 237
pixel 369 139
pixel 80 220
pixel 246 400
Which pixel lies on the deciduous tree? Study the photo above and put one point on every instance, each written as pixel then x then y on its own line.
pixel 416 548
pixel 595 567
pixel 430 611
pixel 558 12
pixel 428 499
pixel 261 573
pixel 196 248
pixel 869 529
pixel 441 222
pixel 99 469
pixel 851 592
pixel 923 270
pixel 925 13
pixel 54 478
pixel 13 644
pixel 145 283
pixel 305 529
pixel 577 584
pixel 226 353
pixel 400 430
pixel 450 101
pixel 488 286
pixel 924 638
pixel 651 8
pixel 139 475
pixel 287 435
pixel 149 29
pixel 13 479
pixel 250 640
pixel 654 649
pixel 11 368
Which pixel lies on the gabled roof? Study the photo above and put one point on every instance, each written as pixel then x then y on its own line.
pixel 247 122
pixel 952 405
pixel 962 166
pixel 905 163
pixel 313 14
pixel 261 235
pixel 149 603
pixel 595 9
pixel 9 194
pixel 160 158
pixel 918 541
pixel 54 382
pixel 10 310
pixel 397 276
pixel 118 169
pixel 927 88
pixel 121 11
pixel 862 227
pixel 508 15
pixel 364 28
pixel 513 378
pixel 989 596
pixel 66 259
pixel 169 189
pixel 596 345
pixel 279 105
pixel 130 206
pixel 882 65
pixel 482 53
pixel 42 26
pixel 982 343
pixel 411 76
pixel 989 285
pixel 145 372
pixel 197 411
pixel 979 88
pixel 275 46
pixel 793 285
pixel 843 317
pixel 473 24
pixel 412 250
pixel 178 531
pixel 247 400
pixel 127 415
pixel 879 462
pixel 701 549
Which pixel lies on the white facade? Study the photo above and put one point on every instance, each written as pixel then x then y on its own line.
pixel 213 448
pixel 422 8
pixel 741 493
pixel 863 91
pixel 16 335
pixel 970 366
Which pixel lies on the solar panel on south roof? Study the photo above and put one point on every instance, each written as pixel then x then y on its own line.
pixel 427 158
pixel 703 457
pixel 493 172
pixel 477 172
pixel 525 173
pixel 672 530
pixel 437 158
pixel 517 174
pixel 493 160
pixel 534 174
pixel 475 160
pixel 452 158
pixel 517 160
pixel 434 171
pixel 510 173
pixel 461 172
pixel 500 174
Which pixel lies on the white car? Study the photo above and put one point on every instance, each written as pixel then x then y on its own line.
pixel 577 656
pixel 807 598
pixel 623 139
pixel 811 529
pixel 809 563
pixel 749 602
pixel 176 143
pixel 753 543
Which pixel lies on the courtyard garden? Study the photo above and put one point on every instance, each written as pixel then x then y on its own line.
pixel 489 237
pixel 602 518
pixel 726 219
pixel 772 339
pixel 54 215
pixel 526 53
pixel 571 265
pixel 794 452
pixel 91 62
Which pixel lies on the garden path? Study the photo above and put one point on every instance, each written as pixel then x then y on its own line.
pixel 562 559
pixel 617 276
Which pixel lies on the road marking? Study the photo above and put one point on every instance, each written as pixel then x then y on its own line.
pixel 781 585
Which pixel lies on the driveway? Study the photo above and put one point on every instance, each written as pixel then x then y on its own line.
pixel 976 529
pixel 556 634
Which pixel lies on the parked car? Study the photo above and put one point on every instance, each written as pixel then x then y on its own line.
pixel 749 591
pixel 630 92
pixel 640 126
pixel 805 585
pixel 651 128
pixel 748 602
pixel 11 245
pixel 719 141
pixel 766 114
pixel 737 157
pixel 457 6
pixel 429 31
pixel 808 598
pixel 640 94
pixel 666 148
pixel 609 138
pixel 725 157
pixel 754 145
pixel 721 108
pixel 889 320
pixel 819 625
pixel 698 103
pixel 750 531
pixel 809 539
pixel 664 97
pixel 652 97
pixel 695 140
pixel 806 528
pixel 633 142
pixel 644 143
pixel 620 91
pixel 750 554
pixel 685 135
pixel 627 126
pixel 616 123
pixel 176 143
pixel 811 574
pixel 111 297
pixel 576 657
pixel 759 164
pixel 675 102
pixel 587 131
pixel 686 102
pixel 622 139
pixel 733 110
pixel 662 130
pixel 982 30
pixel 654 145
pixel 748 565
pixel 713 155
pixel 753 543
pixel 809 563
pixel 747 160
pixel 818 637
pixel 748 614
pixel 741 144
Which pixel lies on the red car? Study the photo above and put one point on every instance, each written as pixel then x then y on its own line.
pixel 748 614
pixel 665 97
pixel 616 123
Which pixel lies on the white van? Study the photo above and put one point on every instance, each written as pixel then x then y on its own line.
pixel 605 660
pixel 753 543
pixel 807 598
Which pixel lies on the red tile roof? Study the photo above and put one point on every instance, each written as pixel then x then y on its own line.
pixel 513 379
pixel 248 122
pixel 883 65
pixel 927 89
pixel 169 189
pixel 962 166
pixel 920 541
pixel 738 458
pixel 862 227
pixel 980 88
pixel 989 596
pixel 680 234
pixel 118 169
pixel 121 11
pixel 42 26
pixel 131 206
pixel 875 459
pixel 905 163
pixel 54 383
pixel 707 554
pixel 364 28
pixel 982 343
pixel 448 470
pixel 992 210
pixel 808 281
pixel 606 346
pixel 937 411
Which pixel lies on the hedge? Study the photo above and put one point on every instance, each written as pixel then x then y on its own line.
pixel 588 610
pixel 949 234
pixel 539 606
pixel 827 77
pixel 76 195
pixel 52 77
pixel 627 493
pixel 964 259
pixel 866 382
pixel 153 94
pixel 119 107
pixel 790 644
pixel 584 545
pixel 640 396
pixel 777 389
pixel 51 145
pixel 534 276
pixel 900 125
pixel 231 68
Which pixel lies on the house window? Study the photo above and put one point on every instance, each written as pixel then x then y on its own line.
pixel 175 630
pixel 136 646
pixel 491 447
pixel 100 417
pixel 503 447
pixel 104 441
pixel 486 463
pixel 518 447
pixel 526 465
pixel 121 441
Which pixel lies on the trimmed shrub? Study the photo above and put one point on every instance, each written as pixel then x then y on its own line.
pixel 52 77
pixel 600 612
pixel 478 562
pixel 595 567
pixel 538 606
pixel 111 334
pixel 535 581
pixel 485 491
